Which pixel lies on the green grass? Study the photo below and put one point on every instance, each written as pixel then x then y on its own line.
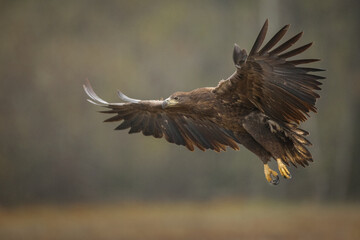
pixel 210 220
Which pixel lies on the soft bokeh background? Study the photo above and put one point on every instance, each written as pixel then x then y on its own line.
pixel 66 175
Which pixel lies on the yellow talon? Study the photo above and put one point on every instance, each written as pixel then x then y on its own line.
pixel 283 169
pixel 270 175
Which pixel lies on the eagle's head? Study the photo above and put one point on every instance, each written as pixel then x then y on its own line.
pixel 175 100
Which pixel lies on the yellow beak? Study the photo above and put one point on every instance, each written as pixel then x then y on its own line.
pixel 169 102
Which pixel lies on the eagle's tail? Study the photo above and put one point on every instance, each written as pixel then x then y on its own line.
pixel 295 147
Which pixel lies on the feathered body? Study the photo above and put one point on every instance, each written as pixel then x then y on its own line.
pixel 259 106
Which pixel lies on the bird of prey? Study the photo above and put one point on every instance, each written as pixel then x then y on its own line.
pixel 260 106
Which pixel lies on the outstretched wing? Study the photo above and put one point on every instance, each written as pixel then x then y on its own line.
pixel 269 81
pixel 148 117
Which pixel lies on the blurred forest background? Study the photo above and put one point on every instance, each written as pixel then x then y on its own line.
pixel 54 148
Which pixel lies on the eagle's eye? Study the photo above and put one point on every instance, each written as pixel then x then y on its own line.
pixel 176 98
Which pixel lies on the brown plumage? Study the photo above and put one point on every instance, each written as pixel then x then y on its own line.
pixel 259 106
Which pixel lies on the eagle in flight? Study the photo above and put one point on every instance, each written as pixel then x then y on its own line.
pixel 259 106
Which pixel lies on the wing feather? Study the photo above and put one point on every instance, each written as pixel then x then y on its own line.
pixel 303 61
pixel 274 40
pixel 295 51
pixel 287 44
pixel 137 124
pixel 151 119
pixel 271 83
pixel 260 38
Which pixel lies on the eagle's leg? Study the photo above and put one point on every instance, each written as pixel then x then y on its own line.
pixel 271 175
pixel 283 169
pixel 269 137
pixel 250 143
